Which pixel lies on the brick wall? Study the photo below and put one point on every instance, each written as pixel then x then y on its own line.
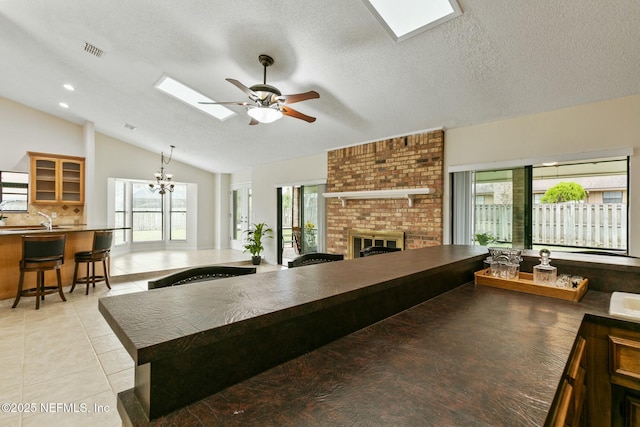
pixel 414 161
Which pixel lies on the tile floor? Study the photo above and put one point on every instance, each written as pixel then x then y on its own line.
pixel 62 365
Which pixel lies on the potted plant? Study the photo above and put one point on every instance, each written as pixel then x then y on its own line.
pixel 254 241
pixel 484 238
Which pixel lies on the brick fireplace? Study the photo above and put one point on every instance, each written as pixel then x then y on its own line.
pixel 408 162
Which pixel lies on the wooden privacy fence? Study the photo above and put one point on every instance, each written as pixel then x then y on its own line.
pixel 569 224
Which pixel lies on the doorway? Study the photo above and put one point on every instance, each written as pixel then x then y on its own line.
pixel 240 214
pixel 301 220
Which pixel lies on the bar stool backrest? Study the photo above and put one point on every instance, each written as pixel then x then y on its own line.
pixel 314 258
pixel 200 274
pixel 377 250
pixel 38 248
pixel 102 241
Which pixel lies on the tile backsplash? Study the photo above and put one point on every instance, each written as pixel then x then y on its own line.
pixel 64 215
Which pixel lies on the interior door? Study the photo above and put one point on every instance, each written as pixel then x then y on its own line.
pixel 240 214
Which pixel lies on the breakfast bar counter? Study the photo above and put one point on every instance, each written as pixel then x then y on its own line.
pixel 79 238
pixel 397 339
pixel 473 356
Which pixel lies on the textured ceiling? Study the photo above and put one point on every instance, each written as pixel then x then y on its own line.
pixel 501 58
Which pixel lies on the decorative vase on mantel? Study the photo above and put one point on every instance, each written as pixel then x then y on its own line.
pixel 2 223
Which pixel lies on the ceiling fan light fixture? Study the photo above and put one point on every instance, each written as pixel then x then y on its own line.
pixel 264 114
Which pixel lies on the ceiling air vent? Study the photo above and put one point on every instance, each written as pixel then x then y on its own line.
pixel 95 51
pixel 130 127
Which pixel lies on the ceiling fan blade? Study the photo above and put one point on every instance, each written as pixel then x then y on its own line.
pixel 290 99
pixel 297 114
pixel 243 88
pixel 226 103
pixel 253 122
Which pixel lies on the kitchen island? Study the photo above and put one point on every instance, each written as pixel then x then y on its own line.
pixel 462 355
pixel 474 356
pixel 79 238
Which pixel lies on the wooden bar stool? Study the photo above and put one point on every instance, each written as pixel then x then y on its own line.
pixel 39 254
pixel 100 252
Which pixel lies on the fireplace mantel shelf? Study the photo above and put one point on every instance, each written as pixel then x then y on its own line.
pixel 403 193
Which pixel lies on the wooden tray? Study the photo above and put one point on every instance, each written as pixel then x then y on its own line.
pixel 525 284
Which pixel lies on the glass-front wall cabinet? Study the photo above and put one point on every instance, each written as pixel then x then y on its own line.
pixel 56 179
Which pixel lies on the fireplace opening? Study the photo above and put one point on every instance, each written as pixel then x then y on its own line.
pixel 360 239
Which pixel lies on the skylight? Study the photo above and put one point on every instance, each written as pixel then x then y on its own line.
pixel 407 18
pixel 191 97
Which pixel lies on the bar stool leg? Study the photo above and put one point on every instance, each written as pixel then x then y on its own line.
pixel 106 272
pixel 39 286
pixel 60 285
pixel 88 280
pixel 75 278
pixel 93 274
pixel 19 294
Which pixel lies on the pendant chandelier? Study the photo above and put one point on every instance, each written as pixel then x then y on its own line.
pixel 164 181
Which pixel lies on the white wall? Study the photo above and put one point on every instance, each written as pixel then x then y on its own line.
pixel 264 179
pixel 606 125
pixel 24 129
pixel 117 159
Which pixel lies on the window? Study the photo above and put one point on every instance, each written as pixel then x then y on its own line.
pixel 598 220
pixel 147 215
pixel 537 198
pixel 121 218
pixel 178 213
pixel 150 216
pixel 568 206
pixel 15 190
pixel 612 197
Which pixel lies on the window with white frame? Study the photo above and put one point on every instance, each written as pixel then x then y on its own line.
pixel 14 188
pixel 150 216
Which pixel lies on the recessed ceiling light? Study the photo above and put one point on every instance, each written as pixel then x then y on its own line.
pixel 191 97
pixel 410 17
pixel 549 163
pixel 63 105
pixel 68 87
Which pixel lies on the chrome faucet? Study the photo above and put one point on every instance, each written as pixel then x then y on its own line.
pixel 48 224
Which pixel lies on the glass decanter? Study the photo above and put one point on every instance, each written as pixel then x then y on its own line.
pixel 544 273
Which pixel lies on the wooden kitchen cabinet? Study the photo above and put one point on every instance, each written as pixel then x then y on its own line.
pixel 601 383
pixel 56 179
pixel 624 369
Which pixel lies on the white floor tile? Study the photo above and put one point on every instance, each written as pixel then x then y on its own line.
pixel 66 353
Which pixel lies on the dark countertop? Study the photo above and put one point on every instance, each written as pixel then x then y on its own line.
pixel 474 356
pixel 35 229
pixel 154 324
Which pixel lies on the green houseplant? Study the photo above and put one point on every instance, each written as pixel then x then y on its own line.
pixel 484 238
pixel 255 237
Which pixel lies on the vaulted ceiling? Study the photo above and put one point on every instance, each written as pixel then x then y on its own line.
pixel 500 59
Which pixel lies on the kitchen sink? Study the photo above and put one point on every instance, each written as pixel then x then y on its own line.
pixel 625 305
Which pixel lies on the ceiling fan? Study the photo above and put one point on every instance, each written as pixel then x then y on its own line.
pixel 266 103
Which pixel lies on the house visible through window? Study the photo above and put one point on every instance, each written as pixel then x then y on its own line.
pixel 567 206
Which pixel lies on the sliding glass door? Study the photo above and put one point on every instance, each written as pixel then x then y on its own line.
pixel 301 220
